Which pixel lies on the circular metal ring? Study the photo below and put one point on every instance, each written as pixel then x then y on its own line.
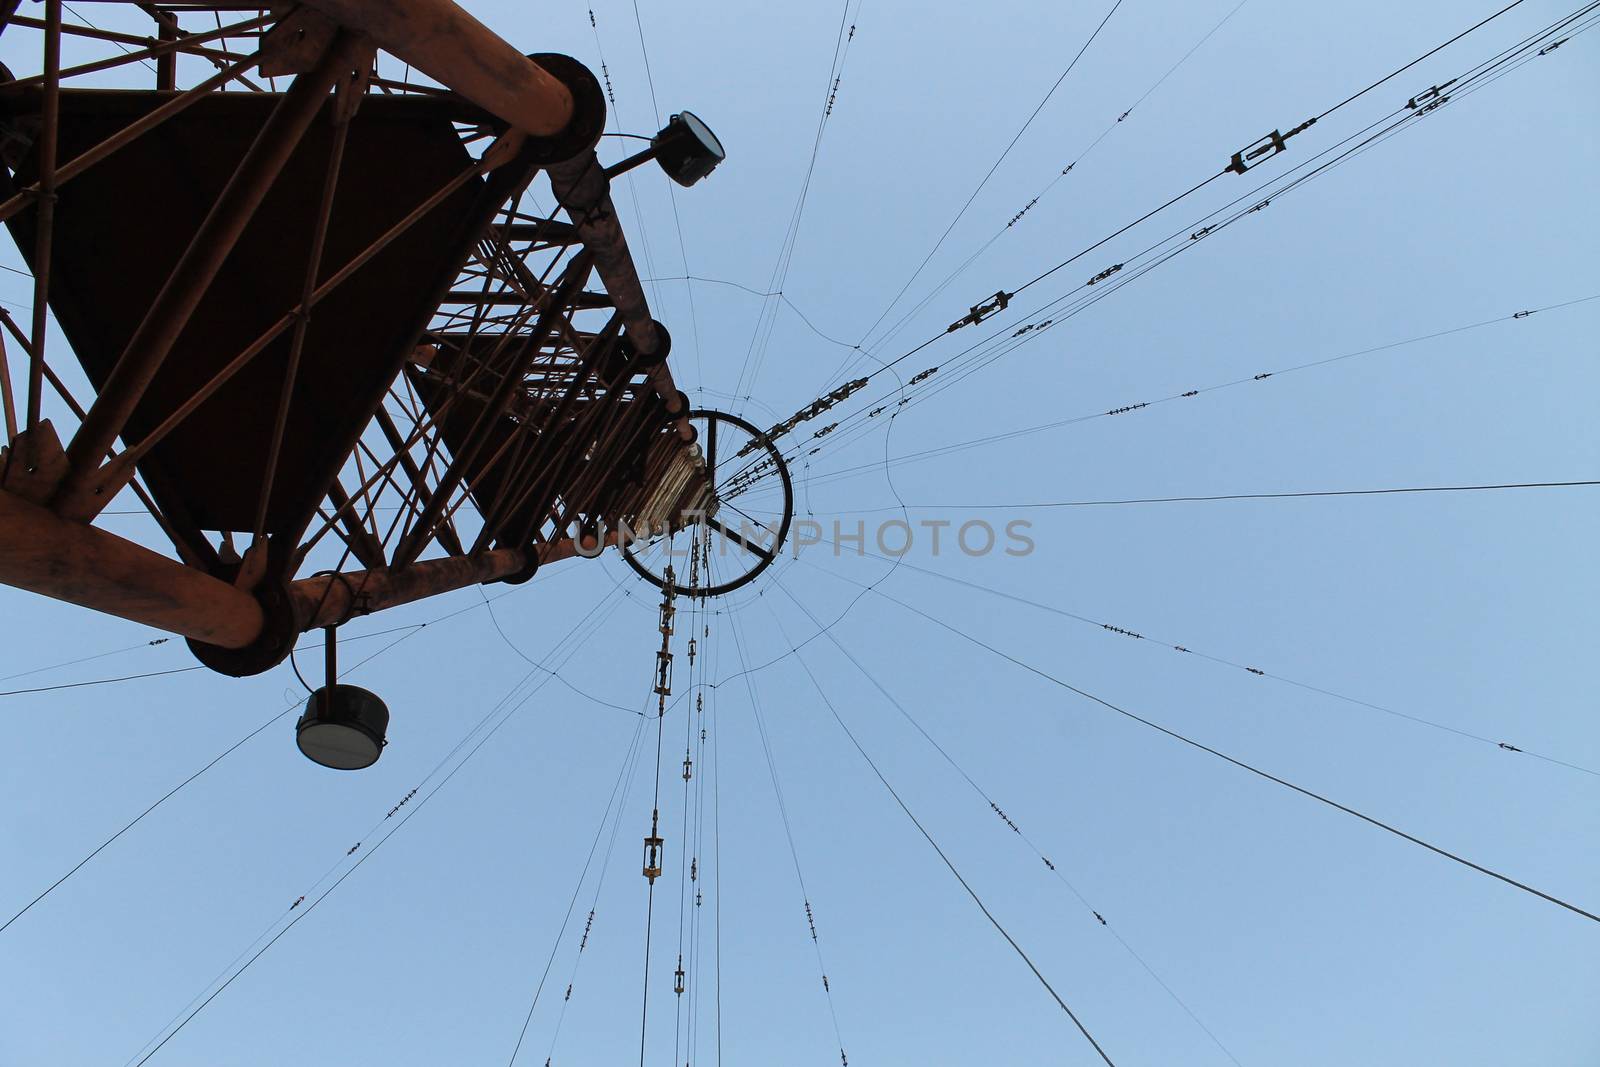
pixel 764 555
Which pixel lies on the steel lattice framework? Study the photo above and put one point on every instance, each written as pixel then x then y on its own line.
pixel 318 307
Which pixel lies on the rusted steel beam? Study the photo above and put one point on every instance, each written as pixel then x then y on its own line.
pixel 45 224
pixel 582 188
pixel 51 556
pixel 192 275
pixel 329 600
pixel 455 49
pixel 167 63
pixel 81 565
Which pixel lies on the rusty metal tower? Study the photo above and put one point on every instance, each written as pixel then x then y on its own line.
pixel 318 306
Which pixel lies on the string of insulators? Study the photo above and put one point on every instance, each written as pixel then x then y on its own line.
pixel 1261 377
pixel 1045 325
pixel 1103 275
pixel 403 802
pixel 812 922
pixel 677 983
pixel 1025 209
pixel 611 96
pixel 1120 630
pixel 669 591
pixel 1006 819
pixel 352 849
pixel 922 376
pixel 588 925
pixel 663 688
pixel 810 411
pixel 652 849
pixel 834 92
pixel 745 478
pixel 663 678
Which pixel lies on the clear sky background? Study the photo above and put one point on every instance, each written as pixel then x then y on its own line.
pixel 1296 934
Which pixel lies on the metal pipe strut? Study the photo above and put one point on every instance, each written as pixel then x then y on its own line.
pixel 456 50
pixel 54 557
pixel 48 555
pixel 583 189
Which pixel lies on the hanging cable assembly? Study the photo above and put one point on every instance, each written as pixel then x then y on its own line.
pixel 688 863
pixel 1010 823
pixel 654 853
pixel 672 191
pixel 86 659
pixel 1001 343
pixel 984 908
pixel 1242 765
pixel 1187 393
pixel 484 729
pixel 697 867
pixel 627 178
pixel 1187 650
pixel 961 269
pixel 990 173
pixel 1243 161
pixel 755 352
pixel 594 901
pixel 788 831
pixel 410 631
pixel 618 792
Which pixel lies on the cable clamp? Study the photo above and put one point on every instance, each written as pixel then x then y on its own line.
pixel 1103 275
pixel 1430 98
pixel 993 306
pixel 1257 152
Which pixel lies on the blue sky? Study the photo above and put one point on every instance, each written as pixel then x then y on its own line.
pixel 1296 934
